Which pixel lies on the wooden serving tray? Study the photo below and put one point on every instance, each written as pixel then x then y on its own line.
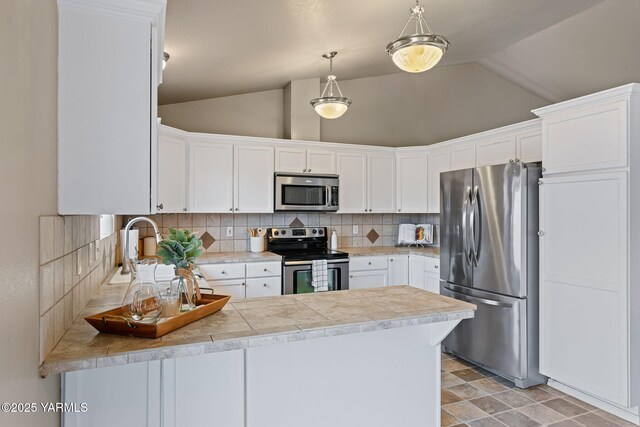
pixel 112 321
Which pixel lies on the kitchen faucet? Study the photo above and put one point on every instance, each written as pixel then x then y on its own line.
pixel 126 260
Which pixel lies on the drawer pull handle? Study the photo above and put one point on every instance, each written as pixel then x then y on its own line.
pixel 265 285
pixel 223 272
pixel 435 266
pixel 369 262
pixel 265 269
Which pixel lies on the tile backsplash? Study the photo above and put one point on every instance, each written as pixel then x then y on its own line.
pixel 373 229
pixel 73 263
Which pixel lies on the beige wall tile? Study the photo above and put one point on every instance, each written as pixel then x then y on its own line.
pixel 185 220
pixel 68 272
pixel 68 310
pixel 58 279
pixel 58 321
pixel 47 293
pixel 46 334
pixel 47 245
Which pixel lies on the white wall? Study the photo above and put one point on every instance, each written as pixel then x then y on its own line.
pixel 393 110
pixel 28 42
pixel 404 109
pixel 252 114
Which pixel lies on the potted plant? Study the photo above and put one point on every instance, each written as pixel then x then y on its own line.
pixel 180 249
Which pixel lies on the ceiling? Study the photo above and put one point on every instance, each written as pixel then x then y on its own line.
pixel 229 47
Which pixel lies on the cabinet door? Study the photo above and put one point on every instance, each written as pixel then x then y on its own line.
pixel 463 156
pixel 586 138
pixel 264 287
pixel 432 282
pixel 583 286
pixel 381 183
pixel 416 271
pixel 253 183
pixel 172 174
pixel 399 270
pixel 439 161
pixel 368 279
pixel 234 288
pixel 352 168
pixel 321 161
pixel 291 159
pixel 411 183
pixel 105 143
pixel 496 151
pixel 210 177
pixel 529 147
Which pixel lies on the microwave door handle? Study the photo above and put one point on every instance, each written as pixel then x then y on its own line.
pixel 328 190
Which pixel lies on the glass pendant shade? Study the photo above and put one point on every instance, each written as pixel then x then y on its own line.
pixel 418 52
pixel 331 106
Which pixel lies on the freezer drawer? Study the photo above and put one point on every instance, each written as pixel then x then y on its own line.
pixel 496 337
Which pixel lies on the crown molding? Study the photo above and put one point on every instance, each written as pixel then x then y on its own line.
pixel 627 91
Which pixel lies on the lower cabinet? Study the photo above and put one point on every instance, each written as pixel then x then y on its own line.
pixel 368 279
pixel 424 273
pixel 377 271
pixel 399 270
pixel 240 281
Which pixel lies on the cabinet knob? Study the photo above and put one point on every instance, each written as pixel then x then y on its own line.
pixel 160 206
pixel 230 209
pixel 265 269
pixel 184 209
pixel 391 260
pixel 223 272
pixel 309 170
pixel 399 210
pixel 436 266
pixel 540 233
pixel 237 209
pixel 243 283
pixel 351 276
pixel 369 262
pixel 264 284
pixel 304 170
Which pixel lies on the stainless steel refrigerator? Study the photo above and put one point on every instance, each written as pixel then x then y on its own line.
pixel 489 257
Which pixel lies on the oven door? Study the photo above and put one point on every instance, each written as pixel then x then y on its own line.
pixel 297 276
pixel 306 193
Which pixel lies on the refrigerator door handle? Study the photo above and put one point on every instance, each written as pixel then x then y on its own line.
pixel 472 223
pixel 465 214
pixel 473 300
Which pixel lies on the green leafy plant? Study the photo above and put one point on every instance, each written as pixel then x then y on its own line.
pixel 179 248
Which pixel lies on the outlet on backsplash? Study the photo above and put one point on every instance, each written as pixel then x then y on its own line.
pixel 356 230
pixel 229 231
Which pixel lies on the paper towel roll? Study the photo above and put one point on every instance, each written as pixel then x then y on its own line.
pixel 149 246
pixel 133 243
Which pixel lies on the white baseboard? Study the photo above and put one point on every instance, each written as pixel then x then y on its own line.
pixel 630 414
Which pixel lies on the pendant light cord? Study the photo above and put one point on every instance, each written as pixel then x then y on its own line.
pixel 416 13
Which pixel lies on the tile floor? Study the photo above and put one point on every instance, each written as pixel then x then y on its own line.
pixel 473 397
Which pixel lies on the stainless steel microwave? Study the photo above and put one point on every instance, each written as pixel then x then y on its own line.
pixel 305 192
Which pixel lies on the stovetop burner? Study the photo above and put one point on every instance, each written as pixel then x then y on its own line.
pixel 307 255
pixel 301 244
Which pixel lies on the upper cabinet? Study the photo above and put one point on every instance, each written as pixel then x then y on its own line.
pixel 172 171
pixel 303 160
pixel 367 182
pixel 439 161
pixel 253 179
pixel 529 146
pixel 411 179
pixel 463 156
pixel 210 176
pixel 109 56
pixel 587 138
pixel 496 150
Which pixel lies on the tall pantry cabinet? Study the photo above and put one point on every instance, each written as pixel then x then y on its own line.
pixel 109 68
pixel 590 245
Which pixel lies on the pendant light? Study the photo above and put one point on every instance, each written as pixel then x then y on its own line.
pixel 331 106
pixel 420 51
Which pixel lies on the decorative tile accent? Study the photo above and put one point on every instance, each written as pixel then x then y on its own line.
pixel 207 240
pixel 373 235
pixel 296 223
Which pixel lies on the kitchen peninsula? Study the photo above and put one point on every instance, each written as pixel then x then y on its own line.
pixel 358 357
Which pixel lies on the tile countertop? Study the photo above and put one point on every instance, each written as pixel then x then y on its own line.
pixel 229 257
pixel 251 323
pixel 429 251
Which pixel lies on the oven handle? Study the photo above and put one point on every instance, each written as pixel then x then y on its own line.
pixel 329 262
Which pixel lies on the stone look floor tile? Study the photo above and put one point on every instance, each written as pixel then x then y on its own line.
pixel 565 423
pixel 485 422
pixel 516 419
pixel 468 374
pixel 446 419
pixel 450 365
pixel 513 399
pixel 536 394
pixel 619 421
pixel 490 405
pixel 465 411
pixel 593 420
pixel 564 407
pixel 467 391
pixel 489 385
pixel 447 397
pixel 541 413
pixel 450 380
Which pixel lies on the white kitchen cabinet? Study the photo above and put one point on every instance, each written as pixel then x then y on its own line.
pixel 589 311
pixel 496 150
pixel 579 279
pixel 586 138
pixel 108 57
pixel 463 156
pixel 432 275
pixel 529 147
pixel 263 287
pixel 210 177
pixel 368 279
pixel 381 178
pixel 439 161
pixel 303 160
pixel 398 270
pixel 411 179
pixel 321 161
pixel 352 168
pixel 253 179
pixel 240 280
pixel 172 172
pixel 416 271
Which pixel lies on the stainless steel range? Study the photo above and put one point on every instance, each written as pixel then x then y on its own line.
pixel 299 247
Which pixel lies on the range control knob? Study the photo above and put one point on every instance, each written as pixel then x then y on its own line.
pixel 321 231
pixel 314 231
pixel 275 233
pixel 284 232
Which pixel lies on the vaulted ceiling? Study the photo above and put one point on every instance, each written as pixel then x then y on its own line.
pixel 228 47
